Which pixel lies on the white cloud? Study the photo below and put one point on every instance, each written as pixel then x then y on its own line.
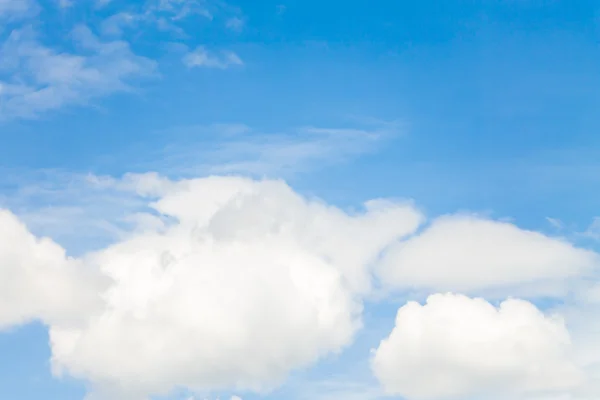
pixel 235 148
pixel 235 24
pixel 194 277
pixel 77 211
pixel 555 222
pixel 41 78
pixel 115 24
pixel 593 231
pixel 164 15
pixel 84 212
pixel 470 254
pixel 201 57
pixel 92 72
pixel 38 281
pixel 202 288
pixel 182 8
pixel 454 347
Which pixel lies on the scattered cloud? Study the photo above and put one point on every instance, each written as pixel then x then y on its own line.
pixel 220 248
pixel 470 254
pixel 556 223
pixel 235 24
pixel 179 9
pixel 237 148
pixel 37 78
pixel 74 209
pixel 117 23
pixel 83 212
pixel 201 57
pixel 593 231
pixel 93 67
pixel 165 15
pixel 457 347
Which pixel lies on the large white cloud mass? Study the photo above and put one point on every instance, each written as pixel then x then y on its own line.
pixel 470 254
pixel 232 283
pixel 242 283
pixel 455 347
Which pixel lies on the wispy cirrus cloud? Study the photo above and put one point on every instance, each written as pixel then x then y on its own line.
pixel 241 149
pixel 35 78
pixel 38 75
pixel 81 210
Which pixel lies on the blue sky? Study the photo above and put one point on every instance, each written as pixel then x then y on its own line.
pixel 485 107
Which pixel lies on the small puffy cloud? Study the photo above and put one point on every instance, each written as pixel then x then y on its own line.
pixel 470 254
pixel 201 57
pixel 192 304
pixel 455 347
pixel 38 281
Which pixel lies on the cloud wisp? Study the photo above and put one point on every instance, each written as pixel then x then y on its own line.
pixel 201 57
pixel 37 78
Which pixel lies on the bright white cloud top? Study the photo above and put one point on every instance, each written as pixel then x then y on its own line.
pixel 455 347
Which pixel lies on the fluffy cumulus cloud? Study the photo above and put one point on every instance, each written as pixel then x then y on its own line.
pixel 242 282
pixel 38 281
pixel 455 347
pixel 232 283
pixel 471 254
